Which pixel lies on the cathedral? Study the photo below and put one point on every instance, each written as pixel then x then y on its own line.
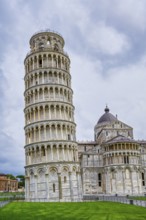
pixel 57 167
pixel 114 163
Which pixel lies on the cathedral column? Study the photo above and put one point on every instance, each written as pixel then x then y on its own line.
pixel 145 176
pixel 137 174
pixel 123 180
pixel 79 185
pixel 78 191
pixel 109 183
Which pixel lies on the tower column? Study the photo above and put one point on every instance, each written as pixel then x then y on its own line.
pixel 71 188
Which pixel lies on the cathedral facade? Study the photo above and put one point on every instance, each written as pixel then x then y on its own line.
pixel 114 163
pixel 58 168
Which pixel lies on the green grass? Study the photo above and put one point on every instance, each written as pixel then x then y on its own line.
pixel 72 211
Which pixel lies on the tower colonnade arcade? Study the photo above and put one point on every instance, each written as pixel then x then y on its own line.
pixel 53 183
pixel 45 92
pixel 44 131
pixel 50 130
pixel 53 110
pixel 43 152
pixel 43 59
pixel 47 76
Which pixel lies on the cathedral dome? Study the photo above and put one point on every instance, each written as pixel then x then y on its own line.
pixel 106 117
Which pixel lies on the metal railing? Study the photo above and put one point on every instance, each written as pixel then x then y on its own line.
pixel 3 203
pixel 4 200
pixel 46 50
pixel 120 199
pixel 47 30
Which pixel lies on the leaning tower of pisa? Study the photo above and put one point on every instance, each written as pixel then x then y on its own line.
pixel 52 168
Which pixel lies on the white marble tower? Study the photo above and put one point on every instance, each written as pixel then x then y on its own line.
pixel 52 167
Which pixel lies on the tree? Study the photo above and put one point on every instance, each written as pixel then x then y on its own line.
pixel 10 176
pixel 21 180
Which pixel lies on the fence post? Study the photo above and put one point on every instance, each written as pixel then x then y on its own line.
pixel 131 202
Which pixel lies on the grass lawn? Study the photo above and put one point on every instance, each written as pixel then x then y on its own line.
pixel 72 211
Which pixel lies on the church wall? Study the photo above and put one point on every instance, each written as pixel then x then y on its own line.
pixel 123 181
pixel 120 164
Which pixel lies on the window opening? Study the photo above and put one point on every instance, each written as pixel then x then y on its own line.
pixel 99 179
pixel 65 179
pixel 53 187
pixel 143 180
pixel 126 159
pixel 69 137
pixel 40 63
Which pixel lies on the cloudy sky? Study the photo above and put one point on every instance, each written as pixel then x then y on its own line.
pixel 106 42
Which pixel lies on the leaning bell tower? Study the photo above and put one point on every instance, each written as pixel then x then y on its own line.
pixel 52 168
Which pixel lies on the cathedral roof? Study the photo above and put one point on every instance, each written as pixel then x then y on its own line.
pixel 120 139
pixel 106 117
